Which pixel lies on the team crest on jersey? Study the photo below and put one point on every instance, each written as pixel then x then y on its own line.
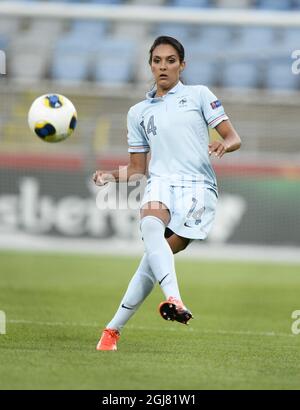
pixel 216 104
pixel 183 102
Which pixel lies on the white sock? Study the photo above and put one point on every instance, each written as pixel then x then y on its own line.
pixel 160 255
pixel 139 287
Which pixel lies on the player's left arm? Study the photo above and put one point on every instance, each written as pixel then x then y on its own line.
pixel 230 140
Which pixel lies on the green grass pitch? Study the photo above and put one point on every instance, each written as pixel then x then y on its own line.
pixel 56 306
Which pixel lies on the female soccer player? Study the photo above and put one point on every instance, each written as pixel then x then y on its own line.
pixel 180 198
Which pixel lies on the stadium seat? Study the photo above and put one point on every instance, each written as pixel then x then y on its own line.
pixel 148 2
pixel 241 73
pixel 234 4
pixel 253 38
pixel 67 1
pixel 213 37
pixel 181 32
pixel 296 4
pixel 274 4
pixel 9 26
pixel 38 27
pixel 108 2
pixel 72 58
pixel 200 72
pixel 3 42
pixel 28 58
pixel 201 65
pixel 142 71
pixel 114 62
pixel 279 75
pixel 91 30
pixel 291 38
pixel 131 31
pixel 190 3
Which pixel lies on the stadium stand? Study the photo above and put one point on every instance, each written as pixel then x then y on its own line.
pixel 190 3
pixel 291 38
pixel 275 4
pixel 254 38
pixel 241 73
pixel 9 27
pixel 29 58
pixel 147 2
pixel 279 75
pixel 235 4
pixel 218 56
pixel 115 62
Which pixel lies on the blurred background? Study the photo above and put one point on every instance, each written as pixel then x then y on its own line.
pixel 96 53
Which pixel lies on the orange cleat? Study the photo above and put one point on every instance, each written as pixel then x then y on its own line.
pixel 108 340
pixel 174 309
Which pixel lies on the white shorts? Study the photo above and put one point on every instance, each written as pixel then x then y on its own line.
pixel 192 207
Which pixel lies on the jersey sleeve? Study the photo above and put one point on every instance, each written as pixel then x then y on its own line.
pixel 136 140
pixel 212 108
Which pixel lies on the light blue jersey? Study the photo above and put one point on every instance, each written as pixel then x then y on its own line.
pixel 175 129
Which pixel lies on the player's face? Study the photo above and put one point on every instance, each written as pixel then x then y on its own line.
pixel 166 67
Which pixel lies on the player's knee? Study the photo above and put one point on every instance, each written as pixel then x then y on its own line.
pixel 178 244
pixel 151 225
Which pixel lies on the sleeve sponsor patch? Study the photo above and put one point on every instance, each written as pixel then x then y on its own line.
pixel 216 104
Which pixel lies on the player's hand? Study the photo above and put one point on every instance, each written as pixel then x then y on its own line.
pixel 217 147
pixel 99 178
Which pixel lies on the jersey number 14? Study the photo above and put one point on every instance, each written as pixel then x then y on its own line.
pixel 151 128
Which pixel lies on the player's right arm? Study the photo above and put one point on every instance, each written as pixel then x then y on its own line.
pixel 135 170
pixel 138 148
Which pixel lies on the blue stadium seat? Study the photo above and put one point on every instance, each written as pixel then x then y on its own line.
pixel 201 64
pixel 3 42
pixel 296 4
pixel 115 62
pixel 91 30
pixel 29 55
pixel 190 3
pixel 67 1
pixel 200 72
pixel 148 2
pixel 241 73
pixel 275 4
pixel 180 31
pixel 9 27
pixel 71 59
pixel 108 2
pixel 291 38
pixel 253 38
pixel 234 3
pixel 211 36
pixel 279 75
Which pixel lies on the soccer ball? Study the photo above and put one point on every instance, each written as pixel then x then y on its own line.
pixel 52 117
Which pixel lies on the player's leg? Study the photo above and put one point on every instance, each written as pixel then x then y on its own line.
pixel 141 285
pixel 177 243
pixel 192 217
pixel 155 216
pixel 161 259
pixel 138 289
pixel 173 309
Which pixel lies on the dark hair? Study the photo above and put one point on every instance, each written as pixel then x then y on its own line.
pixel 172 42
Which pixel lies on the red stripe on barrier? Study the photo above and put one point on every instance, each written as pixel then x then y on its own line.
pixel 40 161
pixel 254 169
pixel 77 162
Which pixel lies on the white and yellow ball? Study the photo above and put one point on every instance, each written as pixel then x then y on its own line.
pixel 52 117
